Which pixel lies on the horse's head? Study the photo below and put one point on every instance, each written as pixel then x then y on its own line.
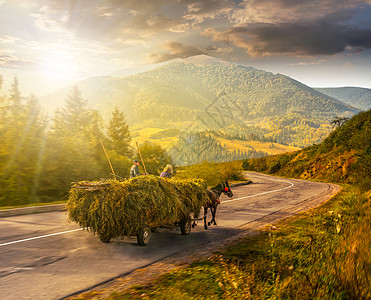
pixel 227 190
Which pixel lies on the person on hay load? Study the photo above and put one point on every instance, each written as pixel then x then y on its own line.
pixel 134 171
pixel 167 172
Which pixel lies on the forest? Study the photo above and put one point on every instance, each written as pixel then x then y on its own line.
pixel 40 157
pixel 196 147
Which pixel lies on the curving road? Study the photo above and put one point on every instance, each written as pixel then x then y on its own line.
pixel 42 256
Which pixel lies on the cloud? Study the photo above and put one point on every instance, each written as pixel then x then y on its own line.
pixel 105 30
pixel 174 50
pixel 148 25
pixel 5 59
pixel 198 11
pixel 324 36
pixel 276 11
pixel 218 49
pixel 11 61
pixel 47 20
pixel 8 39
pixel 309 63
pixel 112 18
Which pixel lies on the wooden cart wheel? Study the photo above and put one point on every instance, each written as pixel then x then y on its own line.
pixel 104 237
pixel 143 236
pixel 186 226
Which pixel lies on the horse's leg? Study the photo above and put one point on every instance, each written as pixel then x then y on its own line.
pixel 205 213
pixel 214 214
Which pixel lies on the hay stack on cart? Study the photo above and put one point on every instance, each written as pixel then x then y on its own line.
pixel 133 207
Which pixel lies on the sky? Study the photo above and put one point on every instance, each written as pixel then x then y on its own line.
pixel 50 43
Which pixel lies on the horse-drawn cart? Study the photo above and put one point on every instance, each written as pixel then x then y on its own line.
pixel 136 207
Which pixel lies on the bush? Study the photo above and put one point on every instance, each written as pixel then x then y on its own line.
pixel 212 173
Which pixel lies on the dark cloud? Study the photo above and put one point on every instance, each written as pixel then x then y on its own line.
pixel 174 50
pixel 273 11
pixel 324 36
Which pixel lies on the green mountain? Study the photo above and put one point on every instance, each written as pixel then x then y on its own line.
pixel 344 156
pixel 355 96
pixel 201 93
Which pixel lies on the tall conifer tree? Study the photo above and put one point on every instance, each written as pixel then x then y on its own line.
pixel 71 147
pixel 119 133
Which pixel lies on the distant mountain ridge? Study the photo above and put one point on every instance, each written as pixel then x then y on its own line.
pixel 202 93
pixel 355 96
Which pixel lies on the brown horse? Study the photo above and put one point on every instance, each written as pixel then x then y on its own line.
pixel 214 195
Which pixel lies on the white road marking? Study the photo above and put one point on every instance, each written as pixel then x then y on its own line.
pixel 290 186
pixel 226 201
pixel 39 237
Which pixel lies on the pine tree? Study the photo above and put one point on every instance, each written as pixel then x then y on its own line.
pixel 119 134
pixel 12 135
pixel 72 148
pixel 21 130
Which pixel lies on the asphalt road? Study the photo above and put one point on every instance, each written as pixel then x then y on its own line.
pixel 42 256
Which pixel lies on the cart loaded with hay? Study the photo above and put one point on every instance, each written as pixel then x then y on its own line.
pixel 136 207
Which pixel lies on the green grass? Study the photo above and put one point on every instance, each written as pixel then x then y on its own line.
pixel 320 254
pixel 212 173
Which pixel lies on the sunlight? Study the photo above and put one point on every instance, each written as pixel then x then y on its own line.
pixel 58 65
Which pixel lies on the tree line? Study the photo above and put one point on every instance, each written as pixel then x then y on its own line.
pixel 41 156
pixel 197 147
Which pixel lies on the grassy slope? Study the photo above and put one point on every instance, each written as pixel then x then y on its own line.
pixel 343 157
pixel 270 148
pixel 321 254
pixel 141 135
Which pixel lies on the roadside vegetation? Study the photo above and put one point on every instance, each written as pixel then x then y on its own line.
pixel 212 173
pixel 323 253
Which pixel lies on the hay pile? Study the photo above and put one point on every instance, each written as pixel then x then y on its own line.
pixel 113 209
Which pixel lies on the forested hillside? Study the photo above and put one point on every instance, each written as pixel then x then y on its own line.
pixel 196 147
pixel 200 94
pixel 344 156
pixel 39 158
pixel 355 96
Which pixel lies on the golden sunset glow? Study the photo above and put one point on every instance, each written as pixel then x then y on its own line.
pixel 322 43
pixel 59 64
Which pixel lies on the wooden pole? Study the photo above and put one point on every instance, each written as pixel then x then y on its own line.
pixel 113 172
pixel 141 158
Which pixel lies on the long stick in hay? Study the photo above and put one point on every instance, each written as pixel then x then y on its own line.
pixel 144 166
pixel 113 172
